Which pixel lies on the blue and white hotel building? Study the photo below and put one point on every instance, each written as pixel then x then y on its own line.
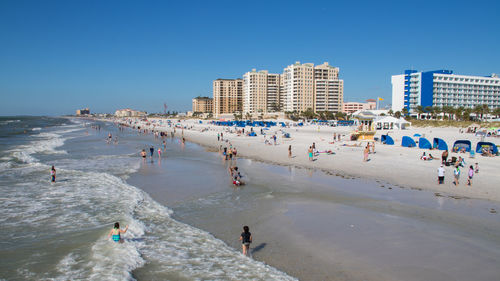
pixel 443 88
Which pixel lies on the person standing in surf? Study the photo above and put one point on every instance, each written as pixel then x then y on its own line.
pixel 116 232
pixel 53 174
pixel 246 239
pixel 152 151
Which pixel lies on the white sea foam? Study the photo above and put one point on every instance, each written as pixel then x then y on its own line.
pixel 77 211
pixel 36 129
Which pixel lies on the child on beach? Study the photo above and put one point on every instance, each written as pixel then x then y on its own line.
pixel 470 175
pixel 290 151
pixel 116 231
pixel 310 151
pixel 365 153
pixel 159 153
pixel 477 169
pixel 246 239
pixel 456 173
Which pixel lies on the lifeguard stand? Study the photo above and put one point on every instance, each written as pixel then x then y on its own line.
pixel 366 126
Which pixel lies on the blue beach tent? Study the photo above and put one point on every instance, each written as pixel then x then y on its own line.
pixel 459 144
pixel 252 134
pixel 439 144
pixel 408 142
pixel 424 143
pixel 417 135
pixel 386 139
pixel 483 144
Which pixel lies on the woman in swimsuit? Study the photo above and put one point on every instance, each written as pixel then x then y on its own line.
pixel 116 231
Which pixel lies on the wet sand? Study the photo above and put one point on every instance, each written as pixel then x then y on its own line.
pixel 316 226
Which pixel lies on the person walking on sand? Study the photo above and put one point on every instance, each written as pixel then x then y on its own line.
pixel 441 172
pixel 470 175
pixel 246 239
pixel 373 147
pixel 116 231
pixel 310 151
pixel 365 153
pixel 290 151
pixel 152 150
pixel 53 174
pixel 444 157
pixel 456 173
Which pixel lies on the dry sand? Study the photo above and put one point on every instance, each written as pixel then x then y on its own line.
pixel 391 163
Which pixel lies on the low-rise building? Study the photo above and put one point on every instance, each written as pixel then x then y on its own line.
pixel 351 107
pixel 85 111
pixel 127 112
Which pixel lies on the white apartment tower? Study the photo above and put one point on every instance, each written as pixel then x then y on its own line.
pixel 299 87
pixel 312 87
pixel 261 92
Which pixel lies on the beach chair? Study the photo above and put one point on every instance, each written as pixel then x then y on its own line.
pixel 472 153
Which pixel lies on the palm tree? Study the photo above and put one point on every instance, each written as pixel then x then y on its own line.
pixel 405 111
pixel 397 114
pixel 390 112
pixel 248 116
pixel 428 110
pixel 496 112
pixel 420 110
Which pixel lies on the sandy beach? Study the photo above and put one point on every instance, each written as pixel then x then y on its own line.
pixel 336 218
pixel 390 163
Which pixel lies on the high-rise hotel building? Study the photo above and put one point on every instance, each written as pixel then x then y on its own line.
pixel 228 96
pixel 312 87
pixel 261 92
pixel 443 88
pixel 328 89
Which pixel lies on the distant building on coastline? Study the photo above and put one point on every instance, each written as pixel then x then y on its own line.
pixel 351 107
pixel 127 112
pixel 203 104
pixel 227 96
pixel 443 88
pixel 80 112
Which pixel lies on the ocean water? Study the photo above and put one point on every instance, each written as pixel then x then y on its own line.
pixel 58 231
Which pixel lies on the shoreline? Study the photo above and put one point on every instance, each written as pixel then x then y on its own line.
pixel 491 194
pixel 394 165
pixel 305 250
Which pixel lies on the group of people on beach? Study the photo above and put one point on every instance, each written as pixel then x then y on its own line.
pixel 456 163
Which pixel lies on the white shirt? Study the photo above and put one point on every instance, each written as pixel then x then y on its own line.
pixel 441 172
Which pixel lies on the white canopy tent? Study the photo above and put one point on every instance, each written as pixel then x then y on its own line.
pixel 391 123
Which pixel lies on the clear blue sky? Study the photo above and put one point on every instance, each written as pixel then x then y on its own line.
pixel 57 56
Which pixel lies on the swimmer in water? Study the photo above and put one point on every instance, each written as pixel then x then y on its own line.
pixel 53 174
pixel 143 154
pixel 116 231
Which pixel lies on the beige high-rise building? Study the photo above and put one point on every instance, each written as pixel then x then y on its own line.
pixel 203 104
pixel 227 96
pixel 328 89
pixel 299 87
pixel 261 92
pixel 312 87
